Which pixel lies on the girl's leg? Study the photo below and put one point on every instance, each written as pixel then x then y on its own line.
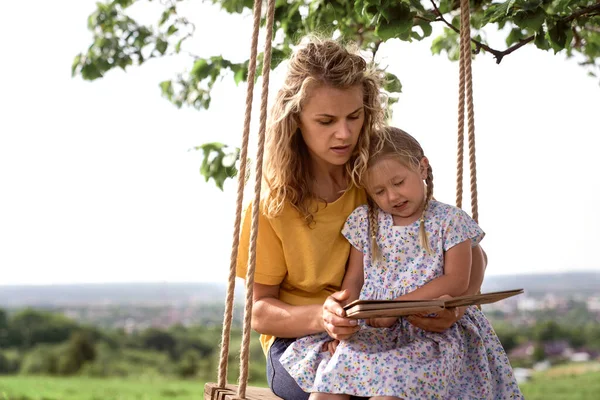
pixel 328 396
pixel 280 381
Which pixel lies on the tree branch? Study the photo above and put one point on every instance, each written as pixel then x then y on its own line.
pixel 499 54
pixel 582 12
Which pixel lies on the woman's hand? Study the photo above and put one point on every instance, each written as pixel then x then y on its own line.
pixel 382 322
pixel 335 322
pixel 442 321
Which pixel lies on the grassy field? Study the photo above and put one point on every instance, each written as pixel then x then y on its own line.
pixel 567 382
pixel 570 382
pixel 79 388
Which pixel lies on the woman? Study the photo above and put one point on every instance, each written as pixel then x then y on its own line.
pixel 323 116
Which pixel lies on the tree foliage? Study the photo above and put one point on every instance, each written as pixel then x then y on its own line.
pixel 119 41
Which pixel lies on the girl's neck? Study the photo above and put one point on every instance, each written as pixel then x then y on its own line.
pixel 398 221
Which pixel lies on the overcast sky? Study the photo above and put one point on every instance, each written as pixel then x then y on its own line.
pixel 97 183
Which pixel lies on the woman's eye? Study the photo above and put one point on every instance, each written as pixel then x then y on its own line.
pixel 354 116
pixel 379 192
pixel 327 122
pixel 398 183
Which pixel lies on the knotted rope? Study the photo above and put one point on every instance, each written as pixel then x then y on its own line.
pixel 465 93
pixel 245 348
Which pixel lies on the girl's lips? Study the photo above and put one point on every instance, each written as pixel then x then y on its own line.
pixel 401 205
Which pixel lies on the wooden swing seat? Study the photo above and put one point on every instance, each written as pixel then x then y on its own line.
pixel 212 391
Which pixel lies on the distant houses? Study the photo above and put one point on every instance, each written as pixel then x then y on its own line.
pixel 555 350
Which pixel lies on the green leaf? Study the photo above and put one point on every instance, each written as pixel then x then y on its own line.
pixel 166 88
pixel 172 29
pixel 392 83
pixel 515 35
pixel 496 12
pixel 218 162
pixel 76 62
pixel 540 40
pixel 240 75
pixel 166 14
pixel 201 69
pixel 530 19
pixel 417 5
pixel 161 45
pixel 425 27
pixel 398 19
pixel 558 35
pixel 178 45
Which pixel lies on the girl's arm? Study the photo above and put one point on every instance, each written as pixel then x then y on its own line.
pixel 271 316
pixel 354 277
pixel 448 316
pixel 454 282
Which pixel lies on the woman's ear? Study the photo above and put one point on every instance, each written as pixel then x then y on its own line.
pixel 423 167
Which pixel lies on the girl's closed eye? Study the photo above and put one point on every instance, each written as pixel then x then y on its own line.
pixel 398 183
pixel 325 122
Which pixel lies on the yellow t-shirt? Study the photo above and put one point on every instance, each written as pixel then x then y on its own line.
pixel 308 263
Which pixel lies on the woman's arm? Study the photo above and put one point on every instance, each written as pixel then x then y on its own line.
pixel 271 316
pixel 456 278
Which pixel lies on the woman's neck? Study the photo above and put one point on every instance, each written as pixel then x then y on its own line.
pixel 329 182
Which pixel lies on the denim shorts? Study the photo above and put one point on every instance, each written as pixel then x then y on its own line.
pixel 280 381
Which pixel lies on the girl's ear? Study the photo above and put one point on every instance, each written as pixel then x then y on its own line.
pixel 423 167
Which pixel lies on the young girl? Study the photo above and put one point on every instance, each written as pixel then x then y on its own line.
pixel 407 246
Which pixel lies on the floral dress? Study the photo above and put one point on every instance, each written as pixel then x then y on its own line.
pixel 466 361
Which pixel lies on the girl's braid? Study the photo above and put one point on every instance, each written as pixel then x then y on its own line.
pixel 428 196
pixel 373 228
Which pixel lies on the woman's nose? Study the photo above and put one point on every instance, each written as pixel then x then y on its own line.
pixel 343 131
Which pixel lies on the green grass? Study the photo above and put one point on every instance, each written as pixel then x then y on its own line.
pixel 568 382
pixel 82 388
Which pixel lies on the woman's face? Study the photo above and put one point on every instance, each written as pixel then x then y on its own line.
pixel 331 121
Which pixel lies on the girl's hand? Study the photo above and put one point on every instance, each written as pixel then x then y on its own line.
pixel 442 321
pixel 334 318
pixel 330 346
pixel 382 322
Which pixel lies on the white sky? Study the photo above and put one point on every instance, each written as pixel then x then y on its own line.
pixel 97 183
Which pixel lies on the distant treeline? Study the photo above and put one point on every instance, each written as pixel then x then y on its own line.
pixel 40 342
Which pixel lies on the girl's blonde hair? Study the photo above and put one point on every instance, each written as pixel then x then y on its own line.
pixel 316 62
pixel 396 144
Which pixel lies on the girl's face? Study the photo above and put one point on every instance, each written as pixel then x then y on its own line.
pixel 398 189
pixel 330 122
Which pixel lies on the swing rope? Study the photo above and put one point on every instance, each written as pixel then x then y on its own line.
pixel 225 337
pixel 245 347
pixel 465 93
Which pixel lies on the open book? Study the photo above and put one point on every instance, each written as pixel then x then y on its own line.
pixel 397 308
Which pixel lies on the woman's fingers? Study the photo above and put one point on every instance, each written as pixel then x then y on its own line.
pixel 341 328
pixel 332 303
pixel 334 321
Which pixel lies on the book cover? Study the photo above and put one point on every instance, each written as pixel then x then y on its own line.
pixel 360 309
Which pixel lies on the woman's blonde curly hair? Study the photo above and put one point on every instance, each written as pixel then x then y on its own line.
pixel 316 62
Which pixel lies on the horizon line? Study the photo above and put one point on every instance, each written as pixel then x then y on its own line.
pixel 224 282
